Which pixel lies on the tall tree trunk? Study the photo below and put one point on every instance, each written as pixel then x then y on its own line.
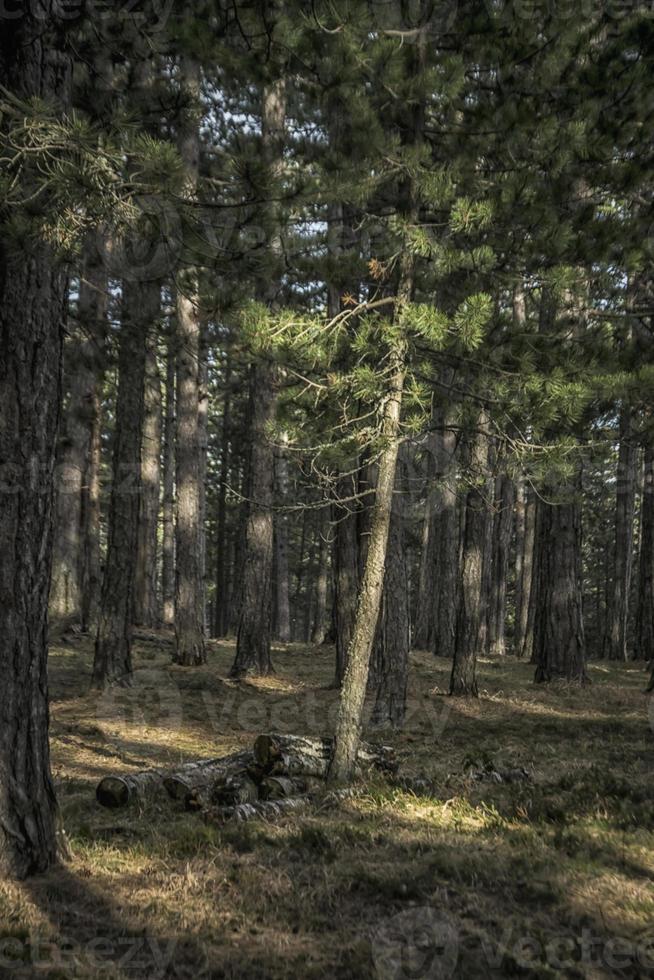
pixel 168 503
pixel 74 564
pixel 221 621
pixel 113 657
pixel 254 628
pixel 203 437
pixel 320 618
pixel 282 600
pixel 146 605
pixel 189 579
pixel 644 625
pixel 526 513
pixel 348 727
pixel 32 310
pixel 423 633
pixel 391 650
pixel 615 636
pixel 559 644
pixel 255 621
pixel 502 528
pixel 446 537
pixel 469 634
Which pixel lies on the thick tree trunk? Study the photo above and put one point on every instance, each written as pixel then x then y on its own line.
pixel 146 604
pixel 525 517
pixel 189 578
pixel 113 659
pixel 168 503
pixel 75 567
pixel 391 651
pixel 559 644
pixel 469 635
pixel 615 635
pixel 644 625
pixel 254 628
pixel 348 727
pixel 502 529
pixel 32 311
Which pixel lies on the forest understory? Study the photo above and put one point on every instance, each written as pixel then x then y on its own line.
pixel 547 875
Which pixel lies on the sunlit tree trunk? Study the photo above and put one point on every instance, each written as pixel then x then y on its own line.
pixel 189 579
pixel 146 603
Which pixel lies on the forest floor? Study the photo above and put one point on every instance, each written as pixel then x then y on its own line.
pixel 551 876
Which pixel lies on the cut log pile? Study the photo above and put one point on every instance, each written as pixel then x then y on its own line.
pixel 280 774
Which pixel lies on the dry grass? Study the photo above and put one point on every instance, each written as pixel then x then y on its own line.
pixel 511 872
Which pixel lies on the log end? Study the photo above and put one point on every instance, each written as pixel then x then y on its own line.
pixel 112 792
pixel 176 787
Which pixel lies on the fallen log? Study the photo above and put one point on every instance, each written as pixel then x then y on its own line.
pixel 263 809
pixel 233 790
pixel 202 775
pixel 117 791
pixel 299 755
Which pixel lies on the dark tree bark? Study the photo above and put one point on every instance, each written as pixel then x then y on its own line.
pixel 113 656
pixel 33 63
pixel 644 624
pixel 615 635
pixel 255 622
pixel 75 567
pixel 189 578
pixel 254 628
pixel 525 521
pixel 146 603
pixel 168 502
pixel 502 530
pixel 469 640
pixel 559 644
pixel 446 537
pixel 423 633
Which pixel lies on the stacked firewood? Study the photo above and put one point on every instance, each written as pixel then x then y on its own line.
pixel 280 774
